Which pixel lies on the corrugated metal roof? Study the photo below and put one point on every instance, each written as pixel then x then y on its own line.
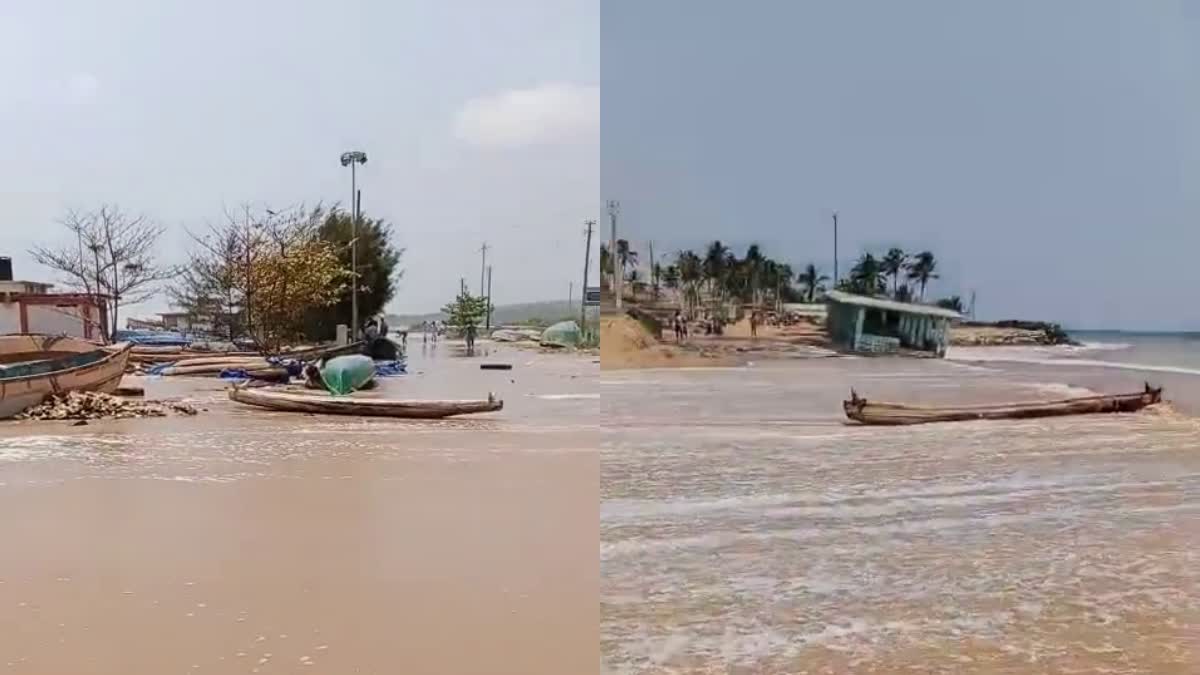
pixel 891 305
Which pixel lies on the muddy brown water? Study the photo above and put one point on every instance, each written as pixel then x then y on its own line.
pixel 243 541
pixel 745 528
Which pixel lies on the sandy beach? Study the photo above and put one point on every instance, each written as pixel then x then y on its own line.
pixel 241 541
pixel 746 528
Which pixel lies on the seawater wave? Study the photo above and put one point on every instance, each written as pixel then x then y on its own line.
pixel 1034 359
pixel 739 535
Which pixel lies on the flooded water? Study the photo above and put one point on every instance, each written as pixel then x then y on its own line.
pixel 746 529
pixel 241 541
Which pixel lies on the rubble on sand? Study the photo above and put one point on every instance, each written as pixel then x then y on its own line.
pixel 90 405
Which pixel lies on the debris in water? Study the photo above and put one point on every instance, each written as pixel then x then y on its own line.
pixel 90 405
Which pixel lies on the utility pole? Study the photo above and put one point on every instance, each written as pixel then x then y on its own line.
pixel 570 293
pixel 653 271
pixel 482 266
pixel 835 251
pixel 462 285
pixel 587 258
pixel 972 304
pixel 489 298
pixel 613 208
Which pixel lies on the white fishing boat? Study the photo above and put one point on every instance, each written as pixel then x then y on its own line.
pixel 34 367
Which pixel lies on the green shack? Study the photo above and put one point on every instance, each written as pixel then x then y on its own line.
pixel 859 323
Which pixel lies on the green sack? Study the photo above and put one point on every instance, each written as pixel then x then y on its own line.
pixel 344 374
pixel 561 334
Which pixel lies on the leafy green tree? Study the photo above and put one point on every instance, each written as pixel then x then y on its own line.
pixel 378 270
pixel 893 265
pixel 466 311
pixel 921 269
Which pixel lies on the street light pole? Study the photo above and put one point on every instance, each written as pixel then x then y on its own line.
pixel 835 251
pixel 352 159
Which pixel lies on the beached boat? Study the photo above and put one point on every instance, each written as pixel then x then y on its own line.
pixel 872 412
pixel 22 348
pixel 55 369
pixel 292 400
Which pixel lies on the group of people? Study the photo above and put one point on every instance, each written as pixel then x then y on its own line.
pixel 710 325
pixel 680 325
pixel 432 328
pixel 377 327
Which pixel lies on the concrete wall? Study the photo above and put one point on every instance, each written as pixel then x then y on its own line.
pixel 56 320
pixel 10 318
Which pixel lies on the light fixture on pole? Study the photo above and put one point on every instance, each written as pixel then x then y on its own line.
pixel 352 159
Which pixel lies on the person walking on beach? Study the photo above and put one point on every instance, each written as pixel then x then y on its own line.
pixel 470 338
pixel 677 324
pixel 753 324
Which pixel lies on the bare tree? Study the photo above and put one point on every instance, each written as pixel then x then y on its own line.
pixel 112 256
pixel 256 274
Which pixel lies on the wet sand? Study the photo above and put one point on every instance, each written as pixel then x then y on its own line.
pixel 746 528
pixel 242 541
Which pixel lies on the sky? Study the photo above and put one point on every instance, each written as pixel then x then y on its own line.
pixel 480 121
pixel 1048 153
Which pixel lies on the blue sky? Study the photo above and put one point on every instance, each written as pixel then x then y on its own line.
pixel 480 120
pixel 1047 152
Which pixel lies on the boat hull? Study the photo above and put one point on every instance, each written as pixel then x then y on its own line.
pixel 325 404
pixel 27 385
pixel 892 414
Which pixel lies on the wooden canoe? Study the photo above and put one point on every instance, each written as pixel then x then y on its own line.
pixel 291 400
pixel 870 412
pixel 25 385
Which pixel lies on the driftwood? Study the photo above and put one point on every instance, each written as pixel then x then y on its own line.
pixel 870 412
pixel 296 401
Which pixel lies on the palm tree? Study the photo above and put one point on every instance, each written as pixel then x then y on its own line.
pixel 691 275
pixel 755 264
pixel 670 277
pixel 715 264
pixel 779 278
pixel 811 279
pixel 903 293
pixel 606 265
pixel 920 269
pixel 626 257
pixel 867 275
pixel 953 302
pixel 893 265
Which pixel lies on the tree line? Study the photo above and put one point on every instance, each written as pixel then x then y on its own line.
pixel 721 276
pixel 271 277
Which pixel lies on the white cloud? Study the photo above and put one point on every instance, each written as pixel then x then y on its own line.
pixel 544 114
pixel 82 87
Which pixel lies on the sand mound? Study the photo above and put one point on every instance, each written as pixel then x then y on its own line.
pixel 625 343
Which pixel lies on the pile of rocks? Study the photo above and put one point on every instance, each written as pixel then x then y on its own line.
pixel 89 405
